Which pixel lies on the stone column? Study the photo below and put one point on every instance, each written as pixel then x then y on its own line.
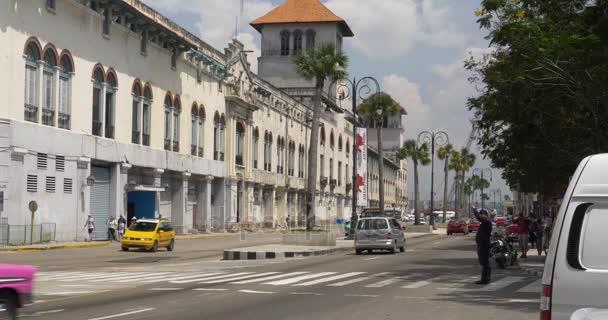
pixel 250 197
pixel 157 183
pixel 230 201
pixel 84 194
pixel 119 193
pixel 204 214
pixel 179 214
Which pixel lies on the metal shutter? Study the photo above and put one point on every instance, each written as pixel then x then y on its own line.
pixel 100 201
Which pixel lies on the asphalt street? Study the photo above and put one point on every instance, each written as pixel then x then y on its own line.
pixel 431 280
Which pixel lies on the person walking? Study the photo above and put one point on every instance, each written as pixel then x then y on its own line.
pixel 89 225
pixel 122 222
pixel 482 238
pixel 112 229
pixel 287 220
pixel 537 228
pixel 523 232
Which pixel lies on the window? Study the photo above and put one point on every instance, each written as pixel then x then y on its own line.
pixel 201 131
pixel 338 43
pixel 279 155
pixel 98 80
pixel 339 173
pixel 48 87
pixel 240 135
pixel 41 161
pixel 177 109
pixel 301 162
pixel 322 166
pixel 135 118
pixel 65 91
pixel 285 36
pixel 592 243
pixel 340 143
pixel 168 107
pixel 268 152
pixel 297 41
pixel 291 159
pixel 310 39
pixel 50 184
pixel 67 185
pixel 256 139
pixel 32 56
pixel 331 169
pixel 332 141
pixel 146 115
pixel 174 54
pixel 347 147
pixel 322 137
pixel 216 136
pixel 194 132
pixel 111 88
pixel 222 137
pixel 32 183
pixel 346 173
pixel 60 163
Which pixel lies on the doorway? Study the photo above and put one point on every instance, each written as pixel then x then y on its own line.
pixel 141 205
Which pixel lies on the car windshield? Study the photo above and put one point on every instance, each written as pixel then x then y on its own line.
pixel 143 226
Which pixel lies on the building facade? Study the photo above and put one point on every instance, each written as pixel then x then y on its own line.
pixel 112 109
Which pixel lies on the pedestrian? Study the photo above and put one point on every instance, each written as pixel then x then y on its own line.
pixel 523 232
pixel 287 219
pixel 89 225
pixel 482 238
pixel 539 231
pixel 122 222
pixel 133 221
pixel 112 229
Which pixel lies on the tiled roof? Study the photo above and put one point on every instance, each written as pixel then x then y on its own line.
pixel 301 11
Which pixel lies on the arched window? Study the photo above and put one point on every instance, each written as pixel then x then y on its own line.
pixel 177 109
pixel 332 141
pixel 240 136
pixel 111 88
pixel 168 107
pixel 285 36
pixel 201 130
pixel 340 142
pixel 65 90
pixel 146 114
pixel 222 137
pixel 32 56
pixel 297 41
pixel 347 147
pixel 216 136
pixel 291 155
pixel 194 130
pixel 310 39
pixel 98 81
pixel 301 162
pixel 270 151
pixel 256 139
pixel 48 86
pixel 136 94
pixel 322 137
pixel 280 154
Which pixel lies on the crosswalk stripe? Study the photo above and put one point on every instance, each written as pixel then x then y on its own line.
pixel 81 277
pixel 420 284
pixel 351 281
pixel 145 277
pixel 104 276
pixel 181 277
pixel 111 277
pixel 58 275
pixel 239 278
pixel 285 275
pixel 300 278
pixel 329 279
pixel 210 277
pixel 501 284
pixel 383 283
pixel 533 287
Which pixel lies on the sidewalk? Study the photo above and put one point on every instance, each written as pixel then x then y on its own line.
pixel 533 265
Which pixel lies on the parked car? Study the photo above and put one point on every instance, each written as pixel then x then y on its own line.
pixel 379 234
pixel 575 274
pixel 458 226
pixel 474 225
pixel 149 234
pixel 16 284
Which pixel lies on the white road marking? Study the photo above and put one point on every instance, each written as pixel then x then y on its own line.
pixel 39 313
pixel 68 293
pixel 330 279
pixel 300 278
pixel 420 284
pixel 81 276
pixel 165 289
pixel 99 278
pixel 240 278
pixel 501 284
pixel 306 293
pixel 351 281
pixel 111 277
pixel 373 258
pixel 145 277
pixel 524 300
pixel 269 278
pixel 534 287
pixel 123 314
pixel 209 289
pixel 383 283
pixel 362 295
pixel 253 291
pixel 182 277
pixel 211 277
pixel 58 275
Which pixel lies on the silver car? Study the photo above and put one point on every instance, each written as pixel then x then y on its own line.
pixel 379 234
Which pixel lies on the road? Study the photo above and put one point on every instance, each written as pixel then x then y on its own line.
pixel 431 280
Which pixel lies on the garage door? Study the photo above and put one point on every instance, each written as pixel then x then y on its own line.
pixel 100 201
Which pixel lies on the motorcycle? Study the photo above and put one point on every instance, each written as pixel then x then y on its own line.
pixel 503 252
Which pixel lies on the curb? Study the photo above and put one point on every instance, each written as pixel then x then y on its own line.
pixel 263 255
pixel 66 246
pixel 538 272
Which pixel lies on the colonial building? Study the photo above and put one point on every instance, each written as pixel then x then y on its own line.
pixel 110 108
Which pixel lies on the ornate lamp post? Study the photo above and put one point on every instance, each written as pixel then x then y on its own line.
pixel 355 90
pixel 481 172
pixel 439 139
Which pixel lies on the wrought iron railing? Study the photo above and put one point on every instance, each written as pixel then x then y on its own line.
pixel 135 136
pixel 175 146
pixel 14 235
pixel 48 117
pixel 145 139
pixel 64 120
pixel 167 144
pixel 200 152
pixel 30 113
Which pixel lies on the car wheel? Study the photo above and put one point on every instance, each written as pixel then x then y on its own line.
pixel 358 252
pixel 392 250
pixel 125 249
pixel 402 249
pixel 8 305
pixel 154 247
pixel 171 245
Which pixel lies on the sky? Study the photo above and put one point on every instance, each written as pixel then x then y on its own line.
pixel 415 48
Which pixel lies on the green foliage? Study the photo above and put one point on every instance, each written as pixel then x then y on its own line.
pixel 543 100
pixel 418 154
pixel 321 62
pixel 369 107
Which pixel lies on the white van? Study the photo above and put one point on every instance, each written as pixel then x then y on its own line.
pixel 575 279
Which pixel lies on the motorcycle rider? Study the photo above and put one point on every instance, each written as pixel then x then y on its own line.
pixel 483 243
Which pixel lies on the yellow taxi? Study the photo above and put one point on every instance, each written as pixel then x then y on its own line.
pixel 149 234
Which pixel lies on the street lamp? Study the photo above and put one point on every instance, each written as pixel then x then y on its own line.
pixel 439 139
pixel 480 172
pixel 354 89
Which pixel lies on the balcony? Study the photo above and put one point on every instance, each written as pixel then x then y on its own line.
pixel 145 139
pixel 240 170
pixel 30 113
pixel 264 177
pixel 48 117
pixel 64 120
pixel 175 146
pixel 135 137
pixel 109 131
pixel 167 144
pixel 238 160
pixel 332 183
pixel 96 128
pixel 200 152
pixel 296 183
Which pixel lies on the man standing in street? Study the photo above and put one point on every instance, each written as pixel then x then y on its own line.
pixel 483 244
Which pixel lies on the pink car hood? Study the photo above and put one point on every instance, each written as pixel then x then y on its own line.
pixel 17 277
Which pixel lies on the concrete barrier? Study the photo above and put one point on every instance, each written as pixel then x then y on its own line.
pixel 309 239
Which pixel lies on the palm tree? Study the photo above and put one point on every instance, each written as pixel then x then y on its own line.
pixel 444 154
pixel 419 155
pixel 319 64
pixel 461 162
pixel 374 109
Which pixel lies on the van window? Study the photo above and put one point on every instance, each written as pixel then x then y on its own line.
pixel 593 250
pixel 380 224
pixel 364 225
pixel 395 224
